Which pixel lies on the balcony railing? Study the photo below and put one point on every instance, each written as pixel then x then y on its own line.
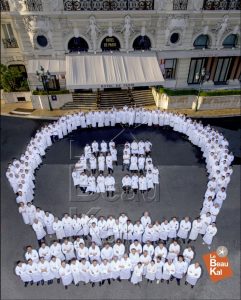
pixel 33 5
pixel 4 6
pixel 180 4
pixel 222 5
pixel 10 43
pixel 108 5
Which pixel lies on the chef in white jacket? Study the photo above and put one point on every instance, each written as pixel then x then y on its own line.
pixel 48 221
pixel 95 273
pixel 65 274
pixel 161 251
pixel 185 226
pixel 180 268
pixel 39 230
pixel 126 183
pixel 134 183
pixel 164 230
pixel 21 271
pixel 174 250
pixel 105 271
pixel 68 225
pixel 58 228
pixel 94 252
pixel 194 272
pixel 142 184
pixel 110 185
pixel 205 220
pixel 168 270
pixel 44 251
pixel 23 212
pixel 44 269
pixel 55 264
pixel 106 252
pixel 31 254
pixel 33 271
pixel 56 250
pixel 173 227
pixel 84 270
pixel 68 249
pixel 76 177
pixel 118 249
pixel 100 184
pixel 151 271
pixel 74 266
pixel 188 254
pixel 196 227
pixel 125 267
pixel 137 274
pixel 95 234
pixel 211 231
pixel 101 163
pixel 138 230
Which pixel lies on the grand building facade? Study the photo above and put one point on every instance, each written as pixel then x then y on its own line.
pixel 185 36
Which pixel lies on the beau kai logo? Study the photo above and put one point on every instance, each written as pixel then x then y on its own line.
pixel 217 264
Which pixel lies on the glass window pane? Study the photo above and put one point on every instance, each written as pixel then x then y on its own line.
pixel 218 69
pixel 191 71
pixel 224 72
pixel 10 30
pixel 5 32
pixel 230 41
pixel 169 63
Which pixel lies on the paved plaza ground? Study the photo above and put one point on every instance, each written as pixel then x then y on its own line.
pixel 182 186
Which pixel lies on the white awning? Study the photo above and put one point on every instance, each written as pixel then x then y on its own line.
pixel 55 66
pixel 112 70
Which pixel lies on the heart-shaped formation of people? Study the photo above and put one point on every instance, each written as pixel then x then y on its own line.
pixel 49 262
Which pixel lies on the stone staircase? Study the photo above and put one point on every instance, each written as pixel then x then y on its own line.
pixel 143 97
pixel 82 101
pixel 108 99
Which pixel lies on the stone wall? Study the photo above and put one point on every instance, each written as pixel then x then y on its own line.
pixel 163 101
pixel 41 101
pixel 15 96
pixel 219 102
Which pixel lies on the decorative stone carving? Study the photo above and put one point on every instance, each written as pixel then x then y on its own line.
pixel 172 23
pixel 197 4
pixel 127 30
pixel 161 4
pixel 37 25
pixel 93 30
pixel 143 29
pixel 110 29
pixel 221 28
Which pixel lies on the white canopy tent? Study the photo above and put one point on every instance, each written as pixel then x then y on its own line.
pixel 55 66
pixel 112 70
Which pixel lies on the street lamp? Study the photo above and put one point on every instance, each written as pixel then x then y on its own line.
pixel 44 77
pixel 201 77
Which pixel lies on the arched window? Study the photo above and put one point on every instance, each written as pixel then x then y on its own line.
pixel 202 41
pixel 77 44
pixel 142 43
pixel 230 41
pixel 110 43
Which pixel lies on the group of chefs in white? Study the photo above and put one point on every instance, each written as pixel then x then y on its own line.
pixel 96 157
pixel 136 158
pixel 78 261
pixel 21 172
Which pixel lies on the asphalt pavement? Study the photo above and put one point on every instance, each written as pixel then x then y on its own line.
pixel 182 186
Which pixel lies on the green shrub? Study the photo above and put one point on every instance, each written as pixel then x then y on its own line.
pixel 42 92
pixel 12 80
pixel 185 92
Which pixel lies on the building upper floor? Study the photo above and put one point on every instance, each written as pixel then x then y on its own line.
pixel 65 6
